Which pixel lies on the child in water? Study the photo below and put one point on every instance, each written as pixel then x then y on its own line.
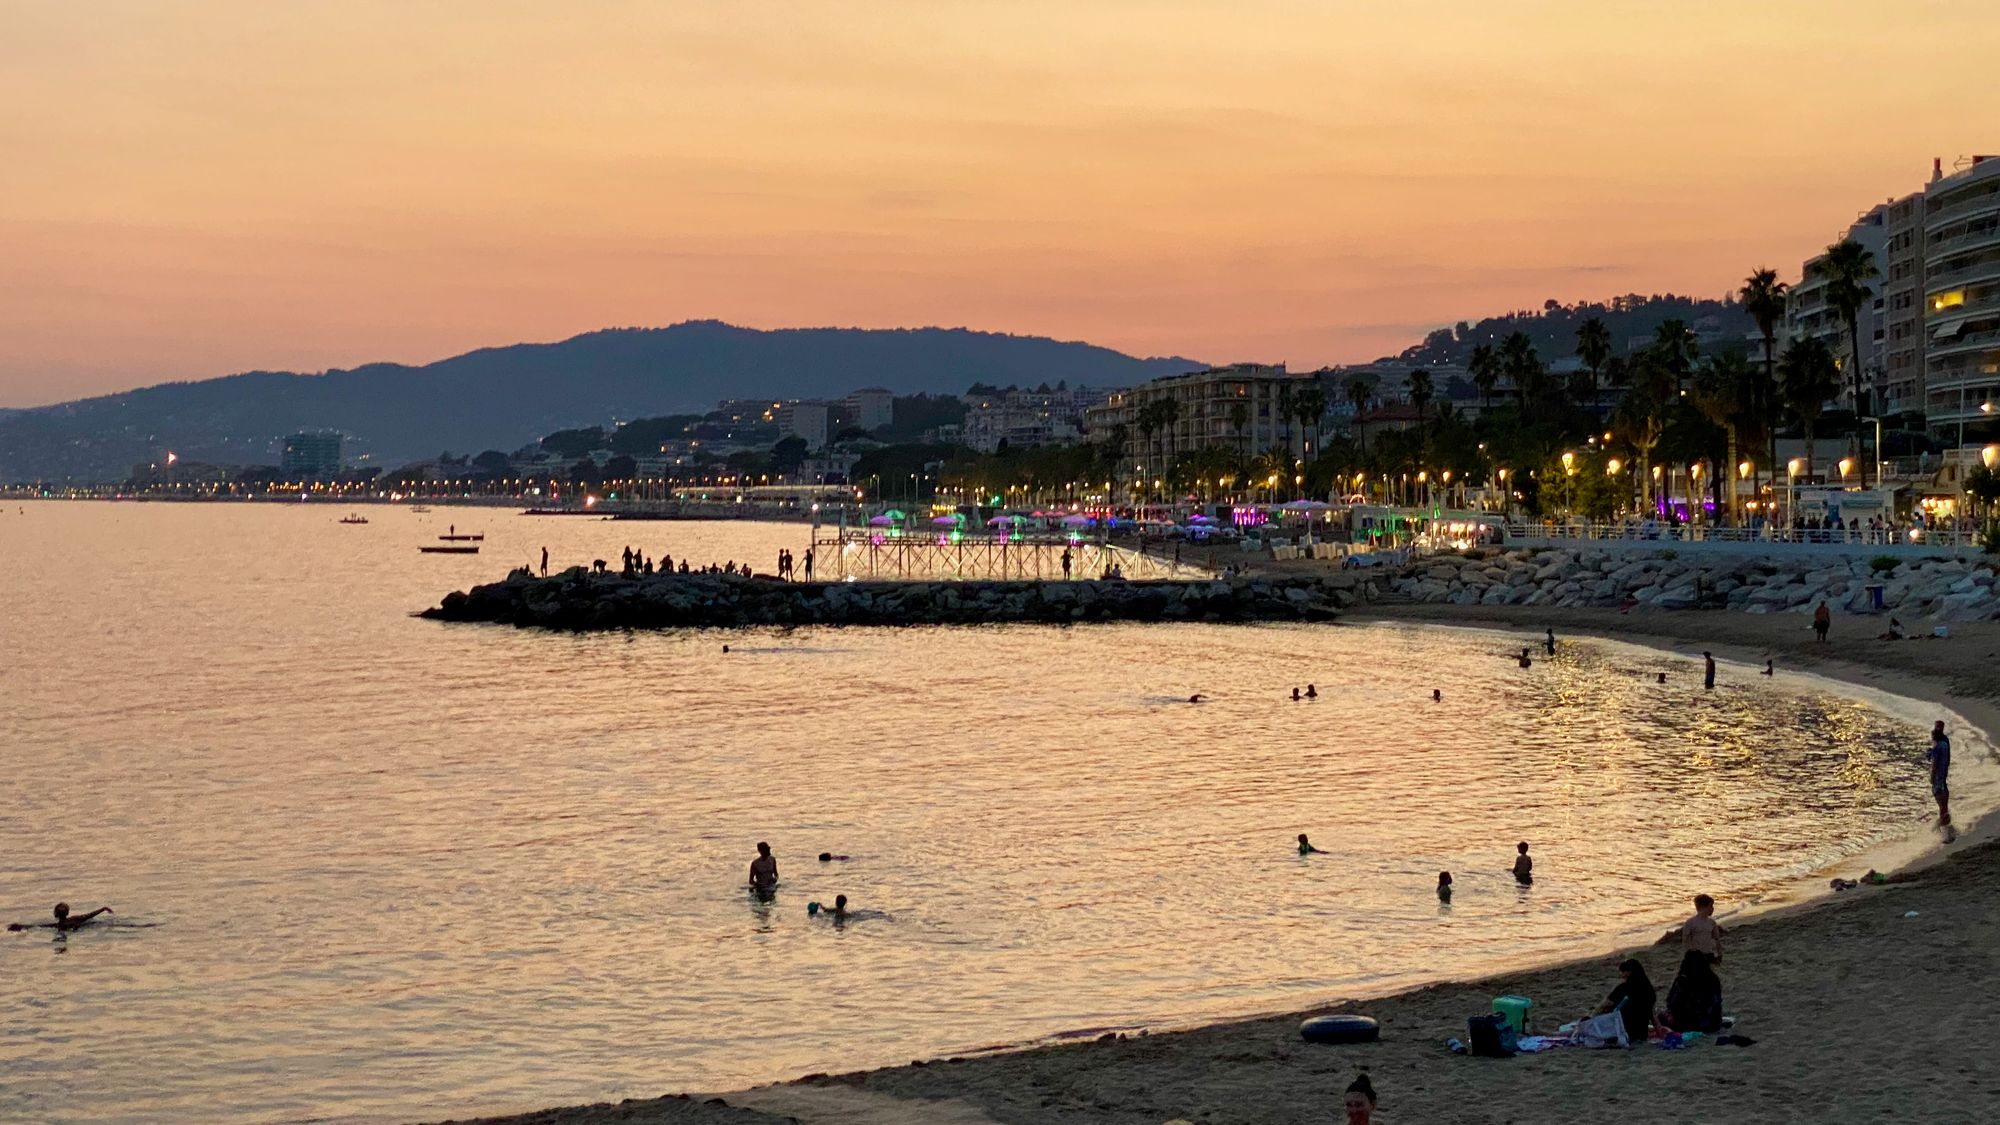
pixel 1444 886
pixel 1524 868
pixel 1306 848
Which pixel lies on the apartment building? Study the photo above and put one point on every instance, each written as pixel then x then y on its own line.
pixel 1240 407
pixel 1961 286
pixel 1810 315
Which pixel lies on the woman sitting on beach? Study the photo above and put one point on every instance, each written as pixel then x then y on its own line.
pixel 1694 1000
pixel 1633 1000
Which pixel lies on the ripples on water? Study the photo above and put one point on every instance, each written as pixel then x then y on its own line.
pixel 403 869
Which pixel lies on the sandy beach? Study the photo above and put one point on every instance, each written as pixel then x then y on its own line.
pixel 1860 1012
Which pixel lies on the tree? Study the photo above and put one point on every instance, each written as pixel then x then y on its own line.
pixel 1847 267
pixel 1310 405
pixel 1522 367
pixel 1239 419
pixel 1720 393
pixel 585 472
pixel 1676 349
pixel 788 455
pixel 1764 298
pixel 1357 393
pixel 1809 377
pixel 1286 412
pixel 621 467
pixel 1593 347
pixel 574 443
pixel 1419 384
pixel 1485 367
pixel 1641 415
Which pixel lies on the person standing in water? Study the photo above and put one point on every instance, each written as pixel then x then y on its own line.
pixel 1525 662
pixel 1306 848
pixel 1444 887
pixel 1550 642
pixel 763 869
pixel 1708 672
pixel 1940 759
pixel 1524 868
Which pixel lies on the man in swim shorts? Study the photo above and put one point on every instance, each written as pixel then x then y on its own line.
pixel 763 869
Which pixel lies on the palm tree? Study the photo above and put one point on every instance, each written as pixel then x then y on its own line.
pixel 1720 393
pixel 1764 298
pixel 1485 367
pixel 1522 366
pixel 1239 417
pixel 1641 414
pixel 1676 348
pixel 1847 267
pixel 1310 404
pixel 1593 347
pixel 1357 393
pixel 1419 384
pixel 1810 376
pixel 1170 413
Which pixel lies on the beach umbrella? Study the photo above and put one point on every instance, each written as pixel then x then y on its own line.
pixel 1305 506
pixel 945 521
pixel 1076 521
pixel 1200 519
pixel 894 514
pixel 880 521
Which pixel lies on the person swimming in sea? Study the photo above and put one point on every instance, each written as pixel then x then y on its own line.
pixel 837 912
pixel 1437 696
pixel 1444 886
pixel 1312 692
pixel 1296 696
pixel 829 857
pixel 65 921
pixel 764 869
pixel 1663 678
pixel 1524 868
pixel 1525 662
pixel 1306 848
pixel 1197 697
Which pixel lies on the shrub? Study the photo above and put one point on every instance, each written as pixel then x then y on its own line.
pixel 1883 564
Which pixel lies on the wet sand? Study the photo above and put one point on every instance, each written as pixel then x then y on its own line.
pixel 1860 1013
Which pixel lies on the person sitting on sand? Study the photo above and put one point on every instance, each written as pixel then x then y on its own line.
pixel 1694 1000
pixel 1524 868
pixel 764 869
pixel 1632 1000
pixel 1769 668
pixel 1444 886
pixel 1359 1101
pixel 65 921
pixel 1701 933
pixel 1895 631
pixel 1306 848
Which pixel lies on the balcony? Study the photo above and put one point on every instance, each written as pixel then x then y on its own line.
pixel 1969 342
pixel 1966 240
pixel 1935 215
pixel 1985 269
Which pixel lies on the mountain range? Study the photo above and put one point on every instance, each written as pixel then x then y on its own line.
pixel 505 397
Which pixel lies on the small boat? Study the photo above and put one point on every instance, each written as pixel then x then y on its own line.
pixel 354 519
pixel 450 550
pixel 463 538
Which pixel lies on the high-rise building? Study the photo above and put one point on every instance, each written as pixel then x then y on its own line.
pixel 312 454
pixel 1242 407
pixel 1902 307
pixel 1961 287
pixel 870 408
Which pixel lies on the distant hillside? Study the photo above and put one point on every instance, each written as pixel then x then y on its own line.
pixel 1553 326
pixel 504 397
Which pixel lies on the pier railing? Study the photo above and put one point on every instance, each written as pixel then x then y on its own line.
pixel 880 554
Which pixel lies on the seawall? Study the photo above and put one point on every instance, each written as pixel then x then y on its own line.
pixel 579 600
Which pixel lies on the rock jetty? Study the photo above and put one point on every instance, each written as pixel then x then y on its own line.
pixel 579 600
pixel 1939 588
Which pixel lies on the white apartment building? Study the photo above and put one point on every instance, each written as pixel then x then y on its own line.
pixel 870 408
pixel 1236 407
pixel 1808 314
pixel 1961 285
pixel 1020 418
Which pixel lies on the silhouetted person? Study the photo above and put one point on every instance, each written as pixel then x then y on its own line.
pixel 1663 677
pixel 65 921
pixel 1524 868
pixel 1550 642
pixel 1444 886
pixel 1197 697
pixel 1767 668
pixel 1708 672
pixel 809 564
pixel 1296 696
pixel 545 562
pixel 1437 696
pixel 1940 760
pixel 1312 692
pixel 764 869
pixel 1065 564
pixel 1306 848
pixel 1525 662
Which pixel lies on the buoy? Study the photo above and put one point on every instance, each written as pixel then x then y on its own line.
pixel 1340 1029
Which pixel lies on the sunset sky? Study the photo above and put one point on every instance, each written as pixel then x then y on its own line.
pixel 202 187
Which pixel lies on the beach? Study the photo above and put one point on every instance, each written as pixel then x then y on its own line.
pixel 1859 1011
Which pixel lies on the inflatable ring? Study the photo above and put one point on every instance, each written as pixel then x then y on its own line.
pixel 1340 1029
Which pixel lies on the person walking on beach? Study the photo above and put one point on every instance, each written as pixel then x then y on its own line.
pixel 1550 642
pixel 809 564
pixel 1524 868
pixel 1822 621
pixel 1940 759
pixel 1708 673
pixel 763 869
pixel 545 562
pixel 1701 933
pixel 1065 562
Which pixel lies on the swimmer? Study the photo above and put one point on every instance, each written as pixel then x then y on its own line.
pixel 65 921
pixel 1525 662
pixel 1197 697
pixel 725 649
pixel 1306 848
pixel 1295 695
pixel 1437 696
pixel 1444 886
pixel 838 912
pixel 1312 692
pixel 1524 868
pixel 763 869
pixel 1663 678
pixel 829 857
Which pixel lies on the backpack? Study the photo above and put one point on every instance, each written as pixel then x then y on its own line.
pixel 1491 1036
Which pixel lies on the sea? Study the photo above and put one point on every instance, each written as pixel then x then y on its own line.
pixel 372 868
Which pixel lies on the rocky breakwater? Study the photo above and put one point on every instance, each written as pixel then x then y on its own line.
pixel 1940 589
pixel 578 600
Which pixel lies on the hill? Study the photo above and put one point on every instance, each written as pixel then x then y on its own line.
pixel 1552 328
pixel 503 397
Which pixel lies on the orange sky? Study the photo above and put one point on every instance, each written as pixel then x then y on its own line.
pixel 219 185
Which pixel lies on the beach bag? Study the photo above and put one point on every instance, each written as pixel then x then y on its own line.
pixel 1607 1030
pixel 1490 1036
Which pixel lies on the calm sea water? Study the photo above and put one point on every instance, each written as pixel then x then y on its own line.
pixel 396 869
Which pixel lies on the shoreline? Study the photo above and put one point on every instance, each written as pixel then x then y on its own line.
pixel 1812 978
